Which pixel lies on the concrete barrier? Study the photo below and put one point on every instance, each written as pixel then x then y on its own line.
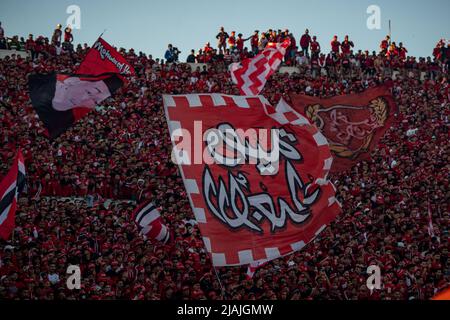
pixel 194 66
pixel 5 53
pixel 289 70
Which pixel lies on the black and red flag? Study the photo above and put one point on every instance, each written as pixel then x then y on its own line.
pixel 10 188
pixel 353 124
pixel 60 100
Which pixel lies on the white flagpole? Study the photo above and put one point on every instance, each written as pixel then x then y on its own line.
pixel 220 282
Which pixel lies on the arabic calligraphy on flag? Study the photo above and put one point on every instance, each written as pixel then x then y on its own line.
pixel 246 216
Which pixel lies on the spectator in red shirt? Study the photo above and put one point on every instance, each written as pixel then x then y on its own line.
pixel 315 47
pixel 255 42
pixel 384 46
pixel 392 51
pixel 346 46
pixel 335 45
pixel 402 51
pixel 305 41
pixel 207 49
pixel 68 39
pixel 30 47
pixel 232 40
pixel 57 35
pixel 240 42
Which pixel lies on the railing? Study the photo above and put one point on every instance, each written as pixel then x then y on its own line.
pixel 289 70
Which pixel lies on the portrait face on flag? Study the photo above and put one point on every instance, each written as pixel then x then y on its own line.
pixel 73 92
pixel 61 100
pixel 251 204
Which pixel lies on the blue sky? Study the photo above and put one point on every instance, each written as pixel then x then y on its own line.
pixel 149 25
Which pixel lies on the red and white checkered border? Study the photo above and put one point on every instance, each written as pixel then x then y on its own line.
pixel 218 99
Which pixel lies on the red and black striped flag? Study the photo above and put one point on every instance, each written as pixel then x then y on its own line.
pixel 150 224
pixel 10 188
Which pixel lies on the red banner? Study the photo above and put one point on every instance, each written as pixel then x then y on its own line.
pixel 251 206
pixel 353 124
pixel 103 58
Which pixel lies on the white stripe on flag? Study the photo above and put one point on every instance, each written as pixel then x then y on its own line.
pixel 4 214
pixel 149 218
pixel 143 210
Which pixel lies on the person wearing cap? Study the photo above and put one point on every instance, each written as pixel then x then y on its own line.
pixel 305 41
pixel 57 35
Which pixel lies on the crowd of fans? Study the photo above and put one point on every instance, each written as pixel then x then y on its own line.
pixel 122 151
pixel 341 58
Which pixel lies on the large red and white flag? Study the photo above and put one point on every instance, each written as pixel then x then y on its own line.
pixel 256 175
pixel 251 74
pixel 253 267
pixel 150 224
pixel 10 188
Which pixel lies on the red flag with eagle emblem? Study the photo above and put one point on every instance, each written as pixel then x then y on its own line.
pixel 353 124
